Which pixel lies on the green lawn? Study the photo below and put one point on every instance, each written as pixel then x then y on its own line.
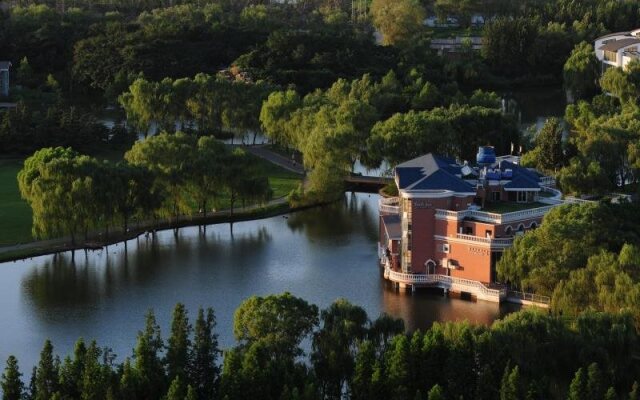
pixel 281 180
pixel 507 207
pixel 15 213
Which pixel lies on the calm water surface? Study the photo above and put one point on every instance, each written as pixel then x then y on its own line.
pixel 320 254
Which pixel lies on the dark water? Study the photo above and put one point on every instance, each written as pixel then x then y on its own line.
pixel 320 254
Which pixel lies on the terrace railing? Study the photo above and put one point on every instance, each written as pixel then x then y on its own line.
pixel 495 218
pixel 390 205
pixel 446 282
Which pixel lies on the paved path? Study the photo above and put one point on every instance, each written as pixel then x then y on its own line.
pixel 263 151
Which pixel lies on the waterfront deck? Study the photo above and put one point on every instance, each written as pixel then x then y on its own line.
pixel 450 283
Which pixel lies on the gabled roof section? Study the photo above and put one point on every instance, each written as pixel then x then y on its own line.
pixel 430 172
pixel 442 180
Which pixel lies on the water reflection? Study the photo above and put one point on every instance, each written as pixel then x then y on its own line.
pixel 66 281
pixel 319 254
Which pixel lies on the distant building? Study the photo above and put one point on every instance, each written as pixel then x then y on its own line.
pixel 4 78
pixel 617 49
pixel 451 222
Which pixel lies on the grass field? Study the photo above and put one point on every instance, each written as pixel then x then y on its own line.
pixel 15 214
pixel 281 180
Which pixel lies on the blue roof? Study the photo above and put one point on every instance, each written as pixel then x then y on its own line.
pixel 409 175
pixel 430 172
pixel 522 182
pixel 443 180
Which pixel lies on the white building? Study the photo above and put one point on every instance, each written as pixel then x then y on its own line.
pixel 618 49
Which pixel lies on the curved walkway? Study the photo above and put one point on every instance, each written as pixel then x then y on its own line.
pixel 263 151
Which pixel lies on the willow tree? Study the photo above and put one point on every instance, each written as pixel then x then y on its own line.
pixel 169 157
pixel 207 177
pixel 58 185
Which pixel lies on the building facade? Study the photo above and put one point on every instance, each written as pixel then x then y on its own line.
pixel 452 221
pixel 617 49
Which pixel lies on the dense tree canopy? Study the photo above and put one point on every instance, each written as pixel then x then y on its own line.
pixel 528 353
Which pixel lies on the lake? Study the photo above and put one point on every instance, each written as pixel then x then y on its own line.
pixel 320 254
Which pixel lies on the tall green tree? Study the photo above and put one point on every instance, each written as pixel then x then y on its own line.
pixel 548 154
pixel 581 71
pixel 282 321
pixel 335 344
pixel 204 372
pixel 150 373
pixel 10 382
pixel 46 373
pixel 363 371
pixel 178 344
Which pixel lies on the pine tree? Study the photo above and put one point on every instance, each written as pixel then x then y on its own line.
pixel 510 385
pixel 204 371
pixel 178 345
pixel 595 382
pixel 128 381
pixel 578 387
pixel 436 393
pixel 149 368
pixel 11 384
pixel 95 377
pixel 363 371
pixel 47 373
pixel 398 367
pixel 379 385
pixel 33 389
pixel 71 371
pixel 176 390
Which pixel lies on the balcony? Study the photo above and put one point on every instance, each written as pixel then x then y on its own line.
pixel 493 242
pixel 494 218
pixel 389 205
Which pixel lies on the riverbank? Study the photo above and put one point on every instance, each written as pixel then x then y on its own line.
pixel 97 241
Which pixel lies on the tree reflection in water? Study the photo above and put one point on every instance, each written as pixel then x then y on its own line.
pixel 66 282
pixel 337 221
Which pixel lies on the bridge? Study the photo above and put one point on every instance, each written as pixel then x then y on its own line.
pixel 368 184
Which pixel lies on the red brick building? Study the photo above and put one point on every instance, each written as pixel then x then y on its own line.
pixel 451 221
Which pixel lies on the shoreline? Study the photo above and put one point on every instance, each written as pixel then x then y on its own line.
pixel 59 245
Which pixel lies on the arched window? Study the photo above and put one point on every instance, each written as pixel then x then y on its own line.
pixel 508 231
pixel 521 228
pixel 533 225
pixel 431 267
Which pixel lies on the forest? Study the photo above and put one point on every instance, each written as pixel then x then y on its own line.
pixel 526 355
